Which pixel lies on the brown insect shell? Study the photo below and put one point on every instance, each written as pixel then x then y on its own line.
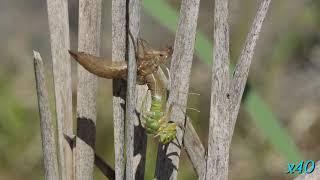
pixel 148 62
pixel 101 66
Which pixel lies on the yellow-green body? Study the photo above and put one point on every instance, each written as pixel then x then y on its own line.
pixel 155 121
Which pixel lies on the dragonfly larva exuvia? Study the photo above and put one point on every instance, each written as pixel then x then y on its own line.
pixel 154 120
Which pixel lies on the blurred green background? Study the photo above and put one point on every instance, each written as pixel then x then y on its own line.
pixel 279 118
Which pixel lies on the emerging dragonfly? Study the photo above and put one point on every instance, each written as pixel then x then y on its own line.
pixel 155 120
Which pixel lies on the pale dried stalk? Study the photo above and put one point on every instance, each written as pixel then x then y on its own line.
pixel 140 137
pixel 46 124
pixel 236 90
pixel 135 135
pixel 168 156
pixel 241 71
pixel 60 43
pixel 195 150
pixel 191 141
pixel 119 53
pixel 89 41
pixel 218 144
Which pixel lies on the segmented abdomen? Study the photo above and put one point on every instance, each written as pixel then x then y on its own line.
pixel 156 121
pixel 151 118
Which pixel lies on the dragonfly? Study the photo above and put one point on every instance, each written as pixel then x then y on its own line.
pixel 154 120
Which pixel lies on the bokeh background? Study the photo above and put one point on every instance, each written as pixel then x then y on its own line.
pixel 279 119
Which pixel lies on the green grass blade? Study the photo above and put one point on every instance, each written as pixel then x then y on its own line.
pixel 168 17
pixel 270 127
pixel 261 115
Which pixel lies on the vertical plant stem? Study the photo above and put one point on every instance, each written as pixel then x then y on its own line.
pixel 46 125
pixel 169 155
pixel 60 43
pixel 135 136
pixel 195 149
pixel 131 98
pixel 119 53
pixel 218 144
pixel 241 71
pixel 89 41
pixel 191 141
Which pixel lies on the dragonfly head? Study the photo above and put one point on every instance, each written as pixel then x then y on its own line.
pixel 165 54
